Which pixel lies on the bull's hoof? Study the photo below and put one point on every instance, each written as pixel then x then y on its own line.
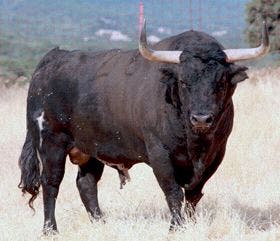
pixel 176 224
pixel 175 228
pixel 96 216
pixel 190 213
pixel 50 230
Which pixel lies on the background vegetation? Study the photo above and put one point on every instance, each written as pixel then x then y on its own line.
pixel 29 29
pixel 257 11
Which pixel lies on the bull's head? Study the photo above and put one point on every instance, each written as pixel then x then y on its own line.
pixel 204 76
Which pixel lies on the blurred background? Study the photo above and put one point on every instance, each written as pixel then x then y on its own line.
pixel 28 29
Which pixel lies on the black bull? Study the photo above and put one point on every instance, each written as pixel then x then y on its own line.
pixel 118 108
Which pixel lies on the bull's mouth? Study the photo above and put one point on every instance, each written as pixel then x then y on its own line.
pixel 201 129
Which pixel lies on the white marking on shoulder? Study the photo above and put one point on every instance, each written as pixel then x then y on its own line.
pixel 40 121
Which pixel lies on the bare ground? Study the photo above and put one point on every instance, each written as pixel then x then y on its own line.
pixel 241 201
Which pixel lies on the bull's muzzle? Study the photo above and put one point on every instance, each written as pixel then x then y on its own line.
pixel 201 121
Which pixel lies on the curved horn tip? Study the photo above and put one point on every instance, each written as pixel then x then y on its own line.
pixel 250 53
pixel 265 35
pixel 172 57
pixel 144 23
pixel 143 34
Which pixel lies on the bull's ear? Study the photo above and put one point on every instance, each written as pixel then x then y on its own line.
pixel 169 77
pixel 238 74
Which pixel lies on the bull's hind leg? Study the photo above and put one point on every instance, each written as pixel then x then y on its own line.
pixel 52 154
pixel 88 176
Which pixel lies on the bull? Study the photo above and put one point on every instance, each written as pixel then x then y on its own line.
pixel 169 107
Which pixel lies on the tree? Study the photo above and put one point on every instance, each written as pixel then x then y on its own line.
pixel 257 11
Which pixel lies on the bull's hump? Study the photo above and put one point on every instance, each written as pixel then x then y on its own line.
pixel 182 40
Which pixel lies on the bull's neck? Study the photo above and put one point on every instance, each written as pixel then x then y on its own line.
pixel 199 145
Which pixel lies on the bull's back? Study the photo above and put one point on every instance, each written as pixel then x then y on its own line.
pixel 62 78
pixel 77 91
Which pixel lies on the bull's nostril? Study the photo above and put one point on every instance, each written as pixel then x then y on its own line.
pixel 200 120
pixel 194 119
pixel 209 120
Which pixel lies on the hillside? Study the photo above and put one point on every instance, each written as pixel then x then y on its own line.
pixel 28 29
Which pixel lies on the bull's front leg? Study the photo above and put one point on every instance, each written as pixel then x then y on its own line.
pixel 192 198
pixel 173 194
pixel 198 169
pixel 193 193
pixel 164 172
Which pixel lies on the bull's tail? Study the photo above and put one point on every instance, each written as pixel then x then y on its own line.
pixel 30 169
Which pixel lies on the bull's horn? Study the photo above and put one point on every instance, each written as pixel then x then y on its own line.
pixel 172 57
pixel 251 53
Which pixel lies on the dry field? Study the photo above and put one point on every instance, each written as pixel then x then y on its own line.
pixel 241 201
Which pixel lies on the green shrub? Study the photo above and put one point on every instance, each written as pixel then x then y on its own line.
pixel 257 11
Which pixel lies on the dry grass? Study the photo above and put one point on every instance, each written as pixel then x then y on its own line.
pixel 241 201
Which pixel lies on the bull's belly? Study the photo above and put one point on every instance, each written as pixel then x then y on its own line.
pixel 112 155
pixel 115 154
pixel 112 151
